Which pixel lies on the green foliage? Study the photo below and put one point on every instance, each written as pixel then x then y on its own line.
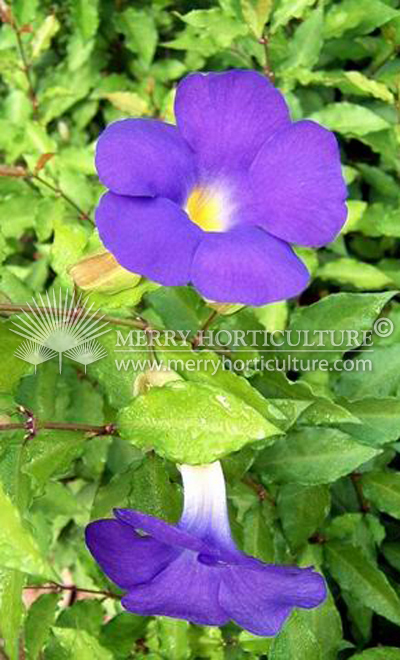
pixel 217 424
pixel 18 549
pixel 310 456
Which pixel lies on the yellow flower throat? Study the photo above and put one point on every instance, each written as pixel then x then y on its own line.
pixel 205 207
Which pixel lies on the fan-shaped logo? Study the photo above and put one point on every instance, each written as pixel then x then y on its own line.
pixel 60 327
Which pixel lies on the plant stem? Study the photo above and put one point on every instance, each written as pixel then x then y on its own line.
pixel 208 322
pixel 61 193
pixel 259 489
pixel 10 309
pixel 8 17
pixel 93 429
pixel 264 41
pixel 56 587
pixel 23 173
pixel 363 504
pixel 27 70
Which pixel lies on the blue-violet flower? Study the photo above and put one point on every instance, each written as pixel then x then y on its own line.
pixel 217 199
pixel 193 570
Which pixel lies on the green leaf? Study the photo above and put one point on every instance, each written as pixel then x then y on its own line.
pixel 173 638
pixel 355 573
pixel 70 239
pixel 362 530
pixel 140 32
pixel 179 308
pixel 53 453
pixel 381 378
pixel 323 412
pixel 206 367
pixel 119 634
pixel 18 549
pixel 326 325
pixel 44 35
pixel 302 510
pixel 273 316
pixel 80 645
pixel 254 644
pixel 16 218
pixel 85 14
pixel 208 31
pixel 305 46
pixel 391 552
pixel 296 641
pixel 356 273
pixel 287 9
pixel 152 492
pixel 85 615
pixel 383 490
pixel 360 616
pixel 258 538
pixel 12 582
pixel 377 219
pixel 11 610
pixel 12 369
pixel 208 642
pixel 256 14
pixel 325 623
pixel 129 103
pixel 362 18
pixel 355 212
pixel 369 86
pixel 192 423
pixel 380 420
pixel 381 181
pixel 380 653
pixel 313 456
pixel 115 380
pixel 40 618
pixel 350 119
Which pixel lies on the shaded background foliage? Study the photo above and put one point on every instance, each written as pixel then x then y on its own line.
pixel 326 491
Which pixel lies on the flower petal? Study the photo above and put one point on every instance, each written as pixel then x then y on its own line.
pixel 124 556
pixel 160 530
pixel 152 237
pixel 205 512
pixel 186 589
pixel 226 117
pixel 298 185
pixel 261 600
pixel 145 157
pixel 246 265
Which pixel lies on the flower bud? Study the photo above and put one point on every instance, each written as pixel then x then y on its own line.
pixel 101 272
pixel 154 378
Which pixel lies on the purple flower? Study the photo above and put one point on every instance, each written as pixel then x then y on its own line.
pixel 193 570
pixel 217 199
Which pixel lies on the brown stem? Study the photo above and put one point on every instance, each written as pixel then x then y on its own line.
pixel 61 193
pixel 27 71
pixel 93 429
pixel 10 309
pixel 261 492
pixel 208 322
pixel 8 17
pixel 56 587
pixel 23 173
pixel 264 41
pixel 363 504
